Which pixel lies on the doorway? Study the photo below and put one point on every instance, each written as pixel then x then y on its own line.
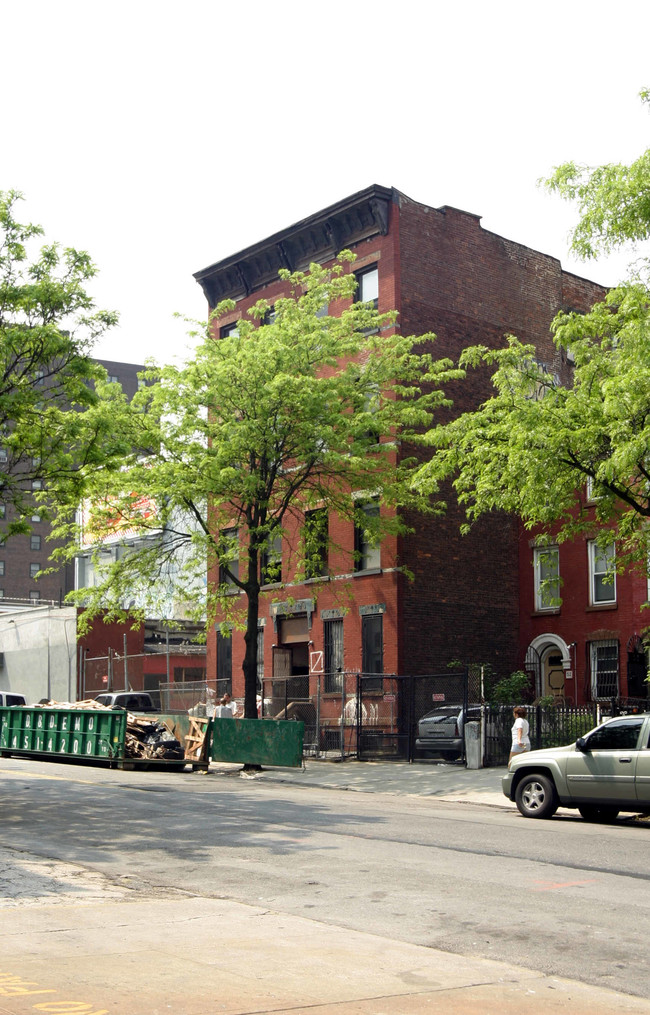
pixel 552 682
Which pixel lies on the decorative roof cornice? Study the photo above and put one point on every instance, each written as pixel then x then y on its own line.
pixel 317 238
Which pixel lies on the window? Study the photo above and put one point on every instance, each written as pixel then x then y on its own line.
pixel 271 560
pixel 34 597
pixel 366 544
pixel 315 534
pixel 372 649
pixel 269 316
pixel 113 379
pixel 36 518
pixel 371 406
pixel 34 542
pixel 224 664
pixel 546 561
pixel 39 378
pixel 333 642
pixel 37 484
pixel 229 329
pixel 604 669
pixel 3 455
pixel 230 555
pixel 3 510
pixel 34 569
pixel 602 573
pixel 620 735
pixel 2 593
pixel 594 491
pixel 367 286
pixel 2 568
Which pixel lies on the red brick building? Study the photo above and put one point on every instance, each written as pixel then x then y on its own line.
pixel 443 273
pixel 580 626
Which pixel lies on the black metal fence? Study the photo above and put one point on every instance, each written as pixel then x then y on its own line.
pixel 375 716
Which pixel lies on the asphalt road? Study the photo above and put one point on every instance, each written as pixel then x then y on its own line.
pixel 562 896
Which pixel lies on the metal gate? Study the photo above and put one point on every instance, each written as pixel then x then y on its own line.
pixel 389 708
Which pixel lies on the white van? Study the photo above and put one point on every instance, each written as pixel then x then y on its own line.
pixel 8 698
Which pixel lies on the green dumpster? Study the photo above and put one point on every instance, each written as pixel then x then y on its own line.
pixel 65 732
pixel 258 741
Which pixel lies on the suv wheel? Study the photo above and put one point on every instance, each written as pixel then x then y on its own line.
pixel 536 797
pixel 592 812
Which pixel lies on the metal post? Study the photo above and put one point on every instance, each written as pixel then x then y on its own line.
pixel 359 716
pixel 167 650
pixel 342 730
pixel 126 668
pixel 110 669
pixel 81 676
pixel 318 717
pixel 49 676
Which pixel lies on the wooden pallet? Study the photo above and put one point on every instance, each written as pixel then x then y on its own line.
pixel 197 743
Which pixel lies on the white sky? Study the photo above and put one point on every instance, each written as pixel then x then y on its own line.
pixel 163 137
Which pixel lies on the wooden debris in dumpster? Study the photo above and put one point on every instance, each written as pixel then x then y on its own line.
pixel 146 738
pixel 151 740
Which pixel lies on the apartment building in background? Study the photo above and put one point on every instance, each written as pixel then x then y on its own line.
pixel 22 557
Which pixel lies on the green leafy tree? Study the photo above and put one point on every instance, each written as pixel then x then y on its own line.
pixel 48 325
pixel 260 428
pixel 540 442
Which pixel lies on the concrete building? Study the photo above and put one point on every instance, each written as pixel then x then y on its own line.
pixel 38 652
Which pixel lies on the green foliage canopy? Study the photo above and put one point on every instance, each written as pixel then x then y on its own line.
pixel 535 446
pixel 256 429
pixel 48 325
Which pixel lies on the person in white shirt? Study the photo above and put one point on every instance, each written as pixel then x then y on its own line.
pixel 520 729
pixel 227 702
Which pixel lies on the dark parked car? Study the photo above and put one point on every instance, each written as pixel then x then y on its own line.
pixel 604 772
pixel 134 701
pixel 441 731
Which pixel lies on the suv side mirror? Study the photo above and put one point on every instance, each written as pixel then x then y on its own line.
pixel 581 745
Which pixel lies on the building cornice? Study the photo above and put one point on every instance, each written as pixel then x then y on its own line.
pixel 317 238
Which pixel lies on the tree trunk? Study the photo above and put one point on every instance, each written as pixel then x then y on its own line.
pixel 250 637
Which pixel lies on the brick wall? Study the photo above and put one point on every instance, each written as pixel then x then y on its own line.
pixel 470 286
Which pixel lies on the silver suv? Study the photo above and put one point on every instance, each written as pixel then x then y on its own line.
pixel 604 772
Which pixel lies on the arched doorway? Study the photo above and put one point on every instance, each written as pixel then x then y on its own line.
pixel 548 660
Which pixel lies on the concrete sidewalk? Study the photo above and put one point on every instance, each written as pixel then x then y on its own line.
pixel 190 955
pixel 452 782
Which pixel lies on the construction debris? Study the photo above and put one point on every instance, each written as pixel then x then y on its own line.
pixel 147 738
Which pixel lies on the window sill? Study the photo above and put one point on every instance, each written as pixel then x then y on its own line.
pixel 316 580
pixel 546 613
pixel 367 571
pixel 600 607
